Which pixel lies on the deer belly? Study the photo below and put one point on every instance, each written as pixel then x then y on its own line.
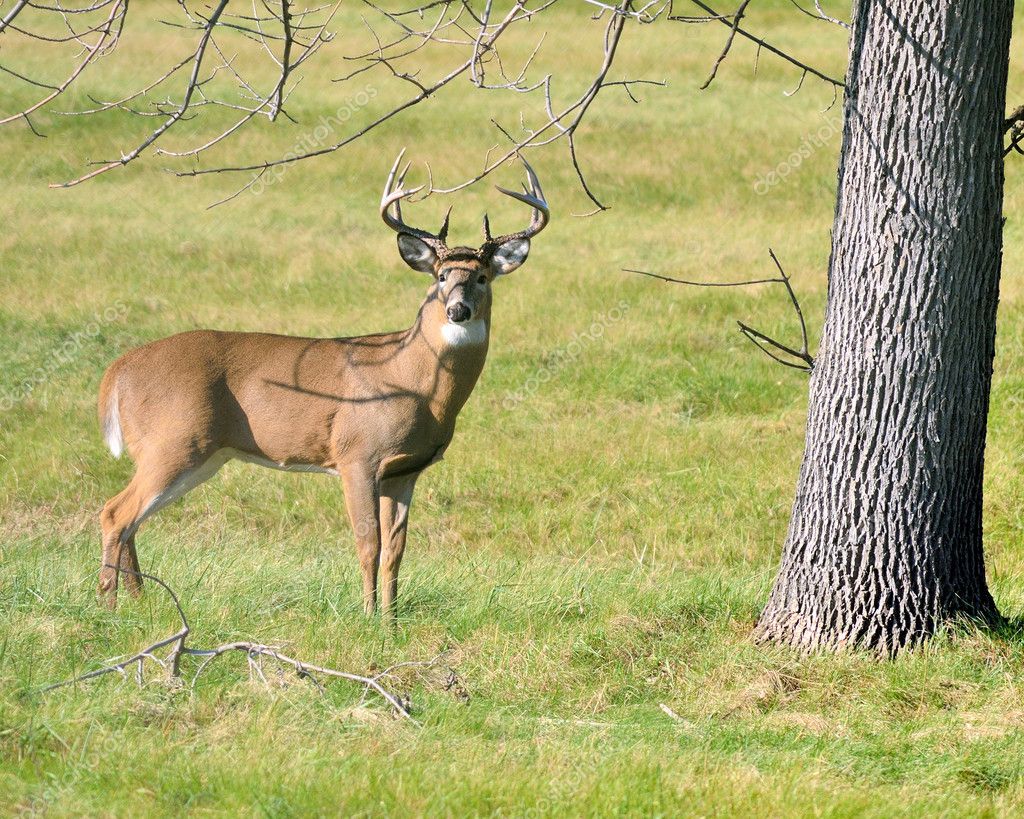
pixel 284 465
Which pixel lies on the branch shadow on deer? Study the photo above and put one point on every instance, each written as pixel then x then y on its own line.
pixel 443 363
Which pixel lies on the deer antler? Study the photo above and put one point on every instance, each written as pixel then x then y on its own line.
pixel 532 196
pixel 393 195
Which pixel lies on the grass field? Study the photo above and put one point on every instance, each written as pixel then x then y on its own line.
pixel 590 551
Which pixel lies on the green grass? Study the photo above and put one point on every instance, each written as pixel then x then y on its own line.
pixel 593 552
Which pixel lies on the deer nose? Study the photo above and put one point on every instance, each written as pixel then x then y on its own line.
pixel 458 312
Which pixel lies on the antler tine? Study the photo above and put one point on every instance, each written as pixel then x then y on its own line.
pixel 400 183
pixel 534 197
pixel 442 234
pixel 404 173
pixel 393 195
pixel 391 175
pixel 535 188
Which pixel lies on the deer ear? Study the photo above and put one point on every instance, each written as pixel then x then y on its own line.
pixel 416 253
pixel 509 256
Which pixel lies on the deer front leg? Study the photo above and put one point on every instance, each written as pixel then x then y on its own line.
pixel 362 500
pixel 395 498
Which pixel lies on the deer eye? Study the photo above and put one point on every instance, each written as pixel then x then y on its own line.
pixel 482 280
pixel 442 278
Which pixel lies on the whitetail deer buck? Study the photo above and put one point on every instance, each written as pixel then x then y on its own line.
pixel 376 410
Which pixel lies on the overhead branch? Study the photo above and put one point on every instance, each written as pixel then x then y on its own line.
pixel 287 34
pixel 14 12
pixel 176 115
pixel 821 15
pixel 729 20
pixel 387 56
pixel 736 17
pixel 565 123
pixel 107 33
pixel 562 123
pixel 768 345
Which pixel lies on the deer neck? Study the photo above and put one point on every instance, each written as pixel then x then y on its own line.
pixel 445 359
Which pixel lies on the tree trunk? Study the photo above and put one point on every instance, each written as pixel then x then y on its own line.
pixel 885 539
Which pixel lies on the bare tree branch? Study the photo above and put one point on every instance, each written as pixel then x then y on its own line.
pixel 424 91
pixel 253 652
pixel 821 15
pixel 288 35
pixel 736 17
pixel 14 12
pixel 193 84
pixel 107 36
pixel 724 19
pixel 763 342
pixel 565 123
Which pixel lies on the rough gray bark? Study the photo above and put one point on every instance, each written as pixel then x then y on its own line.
pixel 885 540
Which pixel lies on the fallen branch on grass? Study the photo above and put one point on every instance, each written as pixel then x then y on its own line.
pixel 254 653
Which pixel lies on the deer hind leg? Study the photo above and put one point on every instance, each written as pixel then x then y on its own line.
pixel 130 567
pixel 362 500
pixel 395 499
pixel 156 483
pixel 114 519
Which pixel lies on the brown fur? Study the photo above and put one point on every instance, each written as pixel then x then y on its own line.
pixel 376 410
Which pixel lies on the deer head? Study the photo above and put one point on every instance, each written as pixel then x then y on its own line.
pixel 463 275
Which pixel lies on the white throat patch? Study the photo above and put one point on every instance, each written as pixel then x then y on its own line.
pixel 459 335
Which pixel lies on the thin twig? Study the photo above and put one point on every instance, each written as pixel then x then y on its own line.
pixel 736 17
pixel 821 15
pixel 778 52
pixel 759 339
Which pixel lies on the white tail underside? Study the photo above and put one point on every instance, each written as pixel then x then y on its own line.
pixel 112 427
